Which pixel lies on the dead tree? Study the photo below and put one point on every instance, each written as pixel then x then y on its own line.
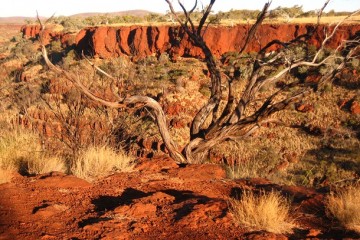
pixel 240 113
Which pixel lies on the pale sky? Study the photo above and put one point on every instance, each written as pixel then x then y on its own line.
pixel 46 8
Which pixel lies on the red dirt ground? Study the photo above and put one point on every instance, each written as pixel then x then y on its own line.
pixel 160 200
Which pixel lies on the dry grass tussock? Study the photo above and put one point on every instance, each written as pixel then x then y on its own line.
pixel 97 162
pixel 21 151
pixel 44 164
pixel 263 211
pixel 345 207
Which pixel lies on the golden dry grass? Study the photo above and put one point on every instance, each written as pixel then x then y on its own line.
pixel 45 164
pixel 263 211
pixel 345 207
pixel 97 162
pixel 17 146
pixel 21 150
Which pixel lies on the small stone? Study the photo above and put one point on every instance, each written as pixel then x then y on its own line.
pixel 314 233
pixel 304 108
pixel 355 108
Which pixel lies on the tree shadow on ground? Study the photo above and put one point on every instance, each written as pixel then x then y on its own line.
pixel 191 201
pixel 109 203
pixel 186 200
pixel 343 158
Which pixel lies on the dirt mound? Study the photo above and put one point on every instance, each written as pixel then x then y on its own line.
pixel 158 201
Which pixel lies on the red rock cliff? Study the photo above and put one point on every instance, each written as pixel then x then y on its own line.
pixel 32 31
pixel 140 41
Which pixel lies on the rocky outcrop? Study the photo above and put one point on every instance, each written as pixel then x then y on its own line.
pixel 50 34
pixel 140 41
pixel 30 31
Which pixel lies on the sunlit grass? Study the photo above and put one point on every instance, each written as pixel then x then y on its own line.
pixel 97 162
pixel 21 151
pixel 263 211
pixel 345 207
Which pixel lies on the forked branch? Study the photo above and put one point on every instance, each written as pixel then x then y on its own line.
pixel 143 101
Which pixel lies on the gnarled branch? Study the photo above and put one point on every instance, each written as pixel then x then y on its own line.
pixel 125 102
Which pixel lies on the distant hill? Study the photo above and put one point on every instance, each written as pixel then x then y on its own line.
pixel 15 20
pixel 138 13
pixel 21 20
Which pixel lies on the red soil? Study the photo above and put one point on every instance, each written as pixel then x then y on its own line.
pixel 158 201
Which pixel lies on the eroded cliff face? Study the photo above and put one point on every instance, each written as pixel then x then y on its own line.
pixel 141 41
pixel 50 34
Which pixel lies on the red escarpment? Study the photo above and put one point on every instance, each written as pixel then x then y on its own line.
pixel 141 41
pixel 32 31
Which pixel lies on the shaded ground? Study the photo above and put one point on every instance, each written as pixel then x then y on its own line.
pixel 159 201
